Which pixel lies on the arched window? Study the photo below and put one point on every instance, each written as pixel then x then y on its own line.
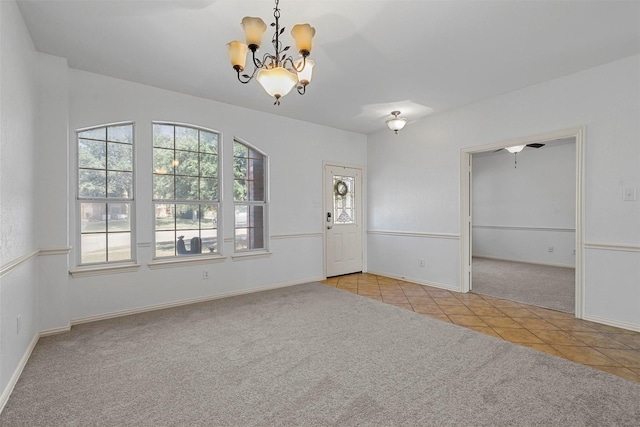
pixel 250 197
pixel 105 202
pixel 185 190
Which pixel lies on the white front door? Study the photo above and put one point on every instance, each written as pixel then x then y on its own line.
pixel 343 220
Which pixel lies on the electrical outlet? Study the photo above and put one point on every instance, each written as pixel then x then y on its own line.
pixel 205 274
pixel 18 325
pixel 629 195
pixel 421 262
pixel 550 249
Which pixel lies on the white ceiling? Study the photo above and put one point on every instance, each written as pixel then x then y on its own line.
pixel 372 56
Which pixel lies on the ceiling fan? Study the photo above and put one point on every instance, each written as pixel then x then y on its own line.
pixel 518 148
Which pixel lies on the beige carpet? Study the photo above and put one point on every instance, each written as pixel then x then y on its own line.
pixel 308 355
pixel 533 284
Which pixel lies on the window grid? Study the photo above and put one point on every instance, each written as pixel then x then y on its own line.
pixel 186 189
pixel 105 205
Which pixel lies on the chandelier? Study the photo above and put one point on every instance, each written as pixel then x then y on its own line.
pixel 277 72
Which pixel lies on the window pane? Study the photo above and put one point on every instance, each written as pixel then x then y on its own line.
pixel 92 183
pixel 119 218
pixel 208 165
pixel 187 163
pixel 119 246
pixel 209 241
pixel 100 133
pixel 186 138
pixel 120 133
pixel 255 240
pixel 187 217
pixel 163 136
pixel 241 215
pixel 119 156
pixel 256 217
pixel 162 161
pixel 165 217
pixel 208 189
pixel 239 190
pixel 241 239
pixel 93 217
pixel 165 243
pixel 187 188
pixel 94 248
pixel 120 185
pixel 208 142
pixel 240 167
pixel 209 218
pixel 91 154
pixel 163 187
pixel 189 243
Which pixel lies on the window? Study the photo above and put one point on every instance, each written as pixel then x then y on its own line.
pixel 250 200
pixel 185 190
pixel 105 193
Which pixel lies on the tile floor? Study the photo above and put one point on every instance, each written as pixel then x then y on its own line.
pixel 603 347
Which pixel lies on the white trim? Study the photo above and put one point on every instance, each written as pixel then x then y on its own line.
pixel 144 244
pixel 185 261
pixel 612 247
pixel 55 251
pixel 112 315
pixel 611 322
pixel 97 271
pixel 55 331
pixel 18 371
pixel 466 215
pixel 550 264
pixel 296 235
pixel 246 255
pixel 12 265
pixel 229 239
pixel 415 234
pixel 517 228
pixel 418 281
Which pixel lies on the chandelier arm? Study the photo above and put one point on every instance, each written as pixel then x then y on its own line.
pixel 257 63
pixel 302 89
pixel 293 64
pixel 247 79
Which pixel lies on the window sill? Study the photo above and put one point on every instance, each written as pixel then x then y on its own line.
pixel 108 269
pixel 245 255
pixel 185 261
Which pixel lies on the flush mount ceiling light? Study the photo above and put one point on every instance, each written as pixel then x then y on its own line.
pixel 277 73
pixel 396 123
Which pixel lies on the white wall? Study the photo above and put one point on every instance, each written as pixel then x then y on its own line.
pixel 519 213
pixel 296 151
pixel 18 286
pixel 414 188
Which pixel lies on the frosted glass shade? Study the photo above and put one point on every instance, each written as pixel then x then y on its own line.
pixel 254 28
pixel 515 149
pixel 396 123
pixel 303 34
pixel 304 76
pixel 277 81
pixel 237 54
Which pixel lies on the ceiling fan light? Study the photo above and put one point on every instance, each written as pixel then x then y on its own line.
pixel 277 81
pixel 515 149
pixel 254 28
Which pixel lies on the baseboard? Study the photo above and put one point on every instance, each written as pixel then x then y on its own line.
pixel 55 331
pixel 418 281
pixel 550 264
pixel 4 398
pixel 189 301
pixel 611 322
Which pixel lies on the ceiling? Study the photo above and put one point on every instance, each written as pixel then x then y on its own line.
pixel 372 56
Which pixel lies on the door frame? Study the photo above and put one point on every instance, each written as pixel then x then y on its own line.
pixel 466 215
pixel 364 227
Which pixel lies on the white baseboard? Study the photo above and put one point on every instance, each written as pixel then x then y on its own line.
pixel 55 331
pixel 611 322
pixel 4 398
pixel 189 301
pixel 550 264
pixel 418 281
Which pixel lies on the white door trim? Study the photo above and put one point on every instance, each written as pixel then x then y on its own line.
pixel 325 208
pixel 465 195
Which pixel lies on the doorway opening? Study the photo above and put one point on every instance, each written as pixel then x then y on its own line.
pixel 522 222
